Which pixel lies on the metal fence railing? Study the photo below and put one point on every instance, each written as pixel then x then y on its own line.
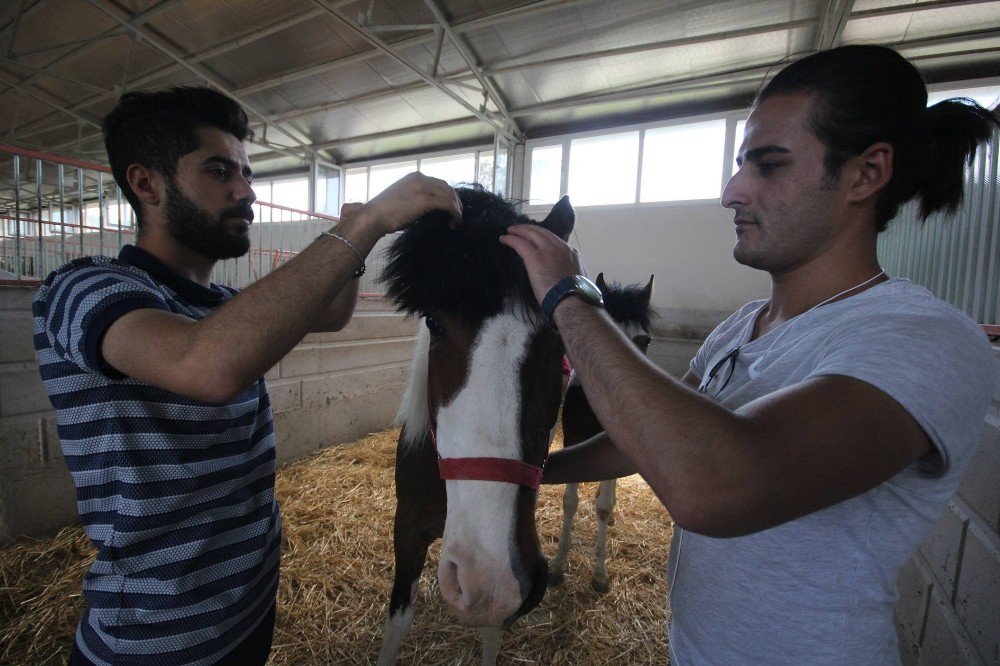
pixel 54 209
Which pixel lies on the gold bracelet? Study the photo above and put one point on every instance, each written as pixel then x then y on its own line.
pixel 361 271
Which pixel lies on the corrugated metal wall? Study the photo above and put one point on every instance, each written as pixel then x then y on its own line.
pixel 956 257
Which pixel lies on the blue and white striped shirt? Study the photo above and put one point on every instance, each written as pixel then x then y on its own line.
pixel 176 494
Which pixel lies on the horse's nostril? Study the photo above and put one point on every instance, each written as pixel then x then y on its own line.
pixel 451 586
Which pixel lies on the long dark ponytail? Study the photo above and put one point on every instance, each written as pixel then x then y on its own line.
pixel 866 94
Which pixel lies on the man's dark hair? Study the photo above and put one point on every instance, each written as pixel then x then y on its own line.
pixel 156 129
pixel 866 94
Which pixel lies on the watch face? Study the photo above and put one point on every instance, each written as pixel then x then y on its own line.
pixel 588 290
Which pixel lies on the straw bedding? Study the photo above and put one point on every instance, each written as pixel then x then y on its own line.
pixel 337 508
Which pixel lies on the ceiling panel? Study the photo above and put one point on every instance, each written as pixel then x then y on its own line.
pixel 305 71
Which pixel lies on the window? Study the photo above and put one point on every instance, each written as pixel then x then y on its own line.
pixel 683 162
pixel 741 130
pixel 327 190
pixel 453 169
pixel 484 174
pixel 546 174
pixel 293 193
pixel 356 188
pixel 262 190
pixel 603 169
pixel 384 175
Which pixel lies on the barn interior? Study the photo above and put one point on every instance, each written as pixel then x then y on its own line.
pixel 634 108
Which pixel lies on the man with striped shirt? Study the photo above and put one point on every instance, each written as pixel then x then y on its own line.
pixel 156 375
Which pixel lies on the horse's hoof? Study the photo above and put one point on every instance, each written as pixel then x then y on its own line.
pixel 556 578
pixel 601 587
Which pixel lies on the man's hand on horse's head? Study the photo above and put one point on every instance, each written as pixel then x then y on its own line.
pixel 410 198
pixel 547 257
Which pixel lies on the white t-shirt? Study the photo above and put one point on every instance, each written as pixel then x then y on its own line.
pixel 820 589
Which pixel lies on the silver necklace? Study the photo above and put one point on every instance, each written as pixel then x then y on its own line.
pixel 754 369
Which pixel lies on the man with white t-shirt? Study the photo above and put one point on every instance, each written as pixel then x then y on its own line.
pixel 818 434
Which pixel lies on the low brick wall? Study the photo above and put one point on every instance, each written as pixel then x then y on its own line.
pixel 332 388
pixel 949 606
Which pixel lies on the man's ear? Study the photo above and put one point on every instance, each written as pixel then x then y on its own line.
pixel 870 172
pixel 147 183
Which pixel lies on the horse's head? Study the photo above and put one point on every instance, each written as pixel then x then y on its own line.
pixel 629 307
pixel 486 385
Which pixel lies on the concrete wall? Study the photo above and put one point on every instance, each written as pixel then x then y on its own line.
pixel 949 606
pixel 687 245
pixel 332 388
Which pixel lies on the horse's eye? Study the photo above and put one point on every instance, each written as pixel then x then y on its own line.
pixel 642 341
pixel 434 326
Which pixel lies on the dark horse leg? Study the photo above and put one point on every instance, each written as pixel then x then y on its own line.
pixel 420 515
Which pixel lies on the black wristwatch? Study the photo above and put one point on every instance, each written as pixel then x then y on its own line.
pixel 574 285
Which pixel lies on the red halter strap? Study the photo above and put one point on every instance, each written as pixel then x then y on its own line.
pixel 503 470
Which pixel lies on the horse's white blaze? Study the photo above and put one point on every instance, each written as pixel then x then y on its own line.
pixel 413 411
pixel 483 417
pixel 483 420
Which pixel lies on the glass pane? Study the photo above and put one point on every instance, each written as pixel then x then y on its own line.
pixel 500 183
pixel 291 193
pixel 262 188
pixel 327 191
pixel 741 129
pixel 92 218
pixel 453 169
pixel 603 169
pixel 546 172
pixel 485 174
pixel 683 162
pixel 384 175
pixel 356 189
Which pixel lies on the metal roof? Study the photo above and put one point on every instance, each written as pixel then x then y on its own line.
pixel 356 80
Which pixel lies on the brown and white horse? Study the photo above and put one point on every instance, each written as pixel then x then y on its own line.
pixel 629 308
pixel 478 416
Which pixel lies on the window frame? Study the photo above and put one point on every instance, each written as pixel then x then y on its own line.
pixel 731 117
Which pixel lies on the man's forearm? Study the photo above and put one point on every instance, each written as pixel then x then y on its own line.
pixel 251 333
pixel 338 314
pixel 657 423
pixel 596 459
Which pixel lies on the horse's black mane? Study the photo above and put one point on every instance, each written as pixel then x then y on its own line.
pixel 627 304
pixel 466 271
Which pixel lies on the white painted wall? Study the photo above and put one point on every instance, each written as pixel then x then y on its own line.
pixel 687 245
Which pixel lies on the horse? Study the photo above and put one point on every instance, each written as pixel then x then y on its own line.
pixel 629 307
pixel 478 416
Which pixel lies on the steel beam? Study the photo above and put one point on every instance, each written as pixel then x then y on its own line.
pixel 16 28
pixel 830 28
pixel 200 71
pixel 49 100
pixel 80 51
pixel 489 87
pixel 157 74
pixel 297 73
pixel 382 46
pixel 517 64
pixel 915 7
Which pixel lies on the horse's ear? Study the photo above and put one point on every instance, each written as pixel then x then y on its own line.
pixel 560 219
pixel 647 291
pixel 601 284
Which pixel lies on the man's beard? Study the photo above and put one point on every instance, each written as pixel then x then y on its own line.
pixel 196 229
